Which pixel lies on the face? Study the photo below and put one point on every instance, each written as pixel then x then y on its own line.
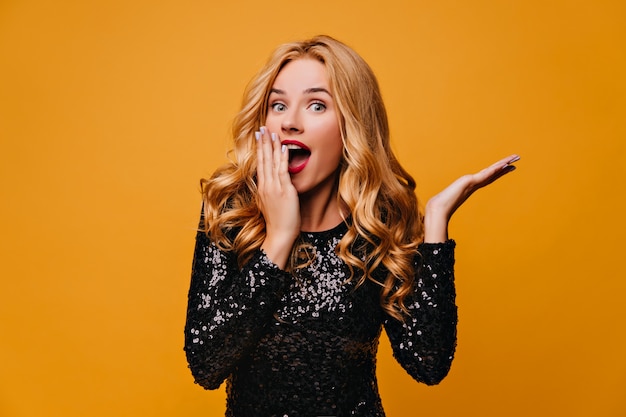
pixel 302 111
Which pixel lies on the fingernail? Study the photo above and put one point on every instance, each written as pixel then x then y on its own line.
pixel 257 135
pixel 514 160
pixel 262 130
pixel 283 148
pixel 274 137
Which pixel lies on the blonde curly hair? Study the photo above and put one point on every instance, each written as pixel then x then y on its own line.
pixel 385 224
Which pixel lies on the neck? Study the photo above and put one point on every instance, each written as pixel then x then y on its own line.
pixel 320 211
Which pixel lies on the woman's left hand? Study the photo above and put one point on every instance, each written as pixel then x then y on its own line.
pixel 441 207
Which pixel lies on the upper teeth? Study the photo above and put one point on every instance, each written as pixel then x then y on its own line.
pixel 293 146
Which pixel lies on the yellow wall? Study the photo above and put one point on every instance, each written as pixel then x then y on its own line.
pixel 110 112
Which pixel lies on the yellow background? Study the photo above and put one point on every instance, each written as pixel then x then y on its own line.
pixel 111 111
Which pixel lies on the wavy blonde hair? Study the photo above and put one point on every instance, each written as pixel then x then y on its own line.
pixel 385 225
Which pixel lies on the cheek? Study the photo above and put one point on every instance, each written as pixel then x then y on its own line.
pixel 272 124
pixel 334 141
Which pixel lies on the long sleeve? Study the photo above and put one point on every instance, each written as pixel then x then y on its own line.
pixel 228 309
pixel 425 342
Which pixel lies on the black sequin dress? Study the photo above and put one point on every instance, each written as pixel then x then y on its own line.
pixel 306 346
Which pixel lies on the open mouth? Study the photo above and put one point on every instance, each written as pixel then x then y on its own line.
pixel 298 156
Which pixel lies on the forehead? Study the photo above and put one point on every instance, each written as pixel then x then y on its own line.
pixel 301 74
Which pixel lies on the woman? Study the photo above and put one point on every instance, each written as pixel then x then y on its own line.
pixel 311 242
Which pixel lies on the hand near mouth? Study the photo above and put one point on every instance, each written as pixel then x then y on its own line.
pixel 277 198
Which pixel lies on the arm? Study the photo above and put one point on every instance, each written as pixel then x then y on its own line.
pixel 227 309
pixel 424 343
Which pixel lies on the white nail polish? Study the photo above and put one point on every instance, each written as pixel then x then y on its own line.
pixel 262 130
pixel 257 135
pixel 283 148
pixel 274 137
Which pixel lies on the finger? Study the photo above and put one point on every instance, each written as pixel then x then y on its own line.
pixel 499 173
pixel 508 166
pixel 259 160
pixel 504 162
pixel 496 171
pixel 283 170
pixel 277 154
pixel 268 157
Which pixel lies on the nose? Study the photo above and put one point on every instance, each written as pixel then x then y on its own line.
pixel 291 123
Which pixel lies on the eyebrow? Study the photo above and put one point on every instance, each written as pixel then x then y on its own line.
pixel 311 90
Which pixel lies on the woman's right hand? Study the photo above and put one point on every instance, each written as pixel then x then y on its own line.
pixel 277 198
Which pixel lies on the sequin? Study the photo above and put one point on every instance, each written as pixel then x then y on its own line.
pixel 305 345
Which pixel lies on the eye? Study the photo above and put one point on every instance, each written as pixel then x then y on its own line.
pixel 278 107
pixel 317 106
